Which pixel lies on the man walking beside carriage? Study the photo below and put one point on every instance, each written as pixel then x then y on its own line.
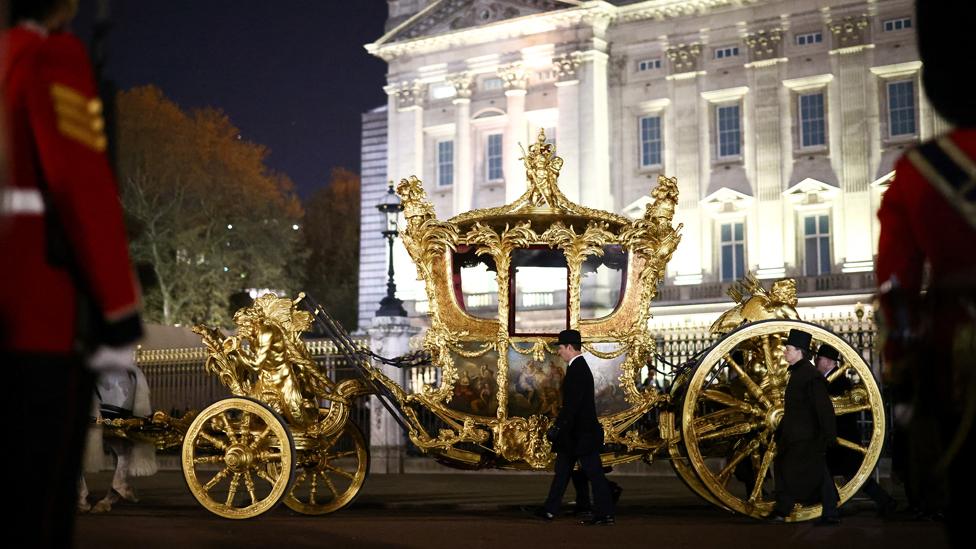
pixel 577 435
pixel 842 461
pixel 808 429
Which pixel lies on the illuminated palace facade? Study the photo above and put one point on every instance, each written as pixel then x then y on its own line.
pixel 781 120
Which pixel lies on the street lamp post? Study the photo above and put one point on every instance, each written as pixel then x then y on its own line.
pixel 390 207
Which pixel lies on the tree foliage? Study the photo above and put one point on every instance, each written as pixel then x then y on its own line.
pixel 332 238
pixel 202 208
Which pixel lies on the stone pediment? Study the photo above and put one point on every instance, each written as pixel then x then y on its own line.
pixel 452 15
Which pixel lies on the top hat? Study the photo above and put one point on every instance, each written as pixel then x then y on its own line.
pixel 570 337
pixel 828 351
pixel 799 339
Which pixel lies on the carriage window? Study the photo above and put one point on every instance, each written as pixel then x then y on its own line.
pixel 540 280
pixel 475 285
pixel 602 282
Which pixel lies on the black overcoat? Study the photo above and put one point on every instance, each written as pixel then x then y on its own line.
pixel 579 430
pixel 807 429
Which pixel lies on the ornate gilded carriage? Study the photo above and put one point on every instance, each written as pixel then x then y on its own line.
pixel 286 433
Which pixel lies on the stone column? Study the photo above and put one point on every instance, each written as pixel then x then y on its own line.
pixel 765 78
pixel 594 132
pixel 851 58
pixel 568 122
pixel 389 336
pixel 410 130
pixel 463 168
pixel 514 78
pixel 406 138
pixel 692 160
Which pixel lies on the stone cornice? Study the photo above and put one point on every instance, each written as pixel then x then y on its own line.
pixel 596 13
pixel 671 9
pixel 898 69
pixel 808 82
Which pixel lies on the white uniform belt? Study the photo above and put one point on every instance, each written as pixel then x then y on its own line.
pixel 17 201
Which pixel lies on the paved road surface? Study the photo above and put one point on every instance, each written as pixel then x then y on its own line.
pixel 474 510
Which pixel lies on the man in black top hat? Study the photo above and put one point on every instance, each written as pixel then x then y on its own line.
pixel 807 429
pixel 577 436
pixel 844 461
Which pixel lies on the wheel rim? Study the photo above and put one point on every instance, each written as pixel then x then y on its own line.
pixel 728 420
pixel 226 453
pixel 330 476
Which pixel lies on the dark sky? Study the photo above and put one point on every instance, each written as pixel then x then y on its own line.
pixel 291 74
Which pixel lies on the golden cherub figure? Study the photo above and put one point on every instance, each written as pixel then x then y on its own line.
pixel 779 302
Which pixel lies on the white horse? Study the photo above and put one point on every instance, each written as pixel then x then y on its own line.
pixel 121 392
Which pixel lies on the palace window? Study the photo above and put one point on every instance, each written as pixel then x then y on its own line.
pixel 729 131
pixel 445 163
pixel 648 64
pixel 493 157
pixel 442 91
pixel 816 244
pixel 812 122
pixel 897 24
pixel 901 108
pixel 726 52
pixel 493 83
pixel 733 251
pixel 650 141
pixel 808 38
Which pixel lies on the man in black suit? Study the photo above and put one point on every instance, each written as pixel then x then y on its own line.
pixel 577 435
pixel 844 461
pixel 807 429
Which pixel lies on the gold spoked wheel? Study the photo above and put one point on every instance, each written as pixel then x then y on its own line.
pixel 734 402
pixel 226 456
pixel 331 472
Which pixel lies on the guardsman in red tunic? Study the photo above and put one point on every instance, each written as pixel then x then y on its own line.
pixel 67 284
pixel 928 217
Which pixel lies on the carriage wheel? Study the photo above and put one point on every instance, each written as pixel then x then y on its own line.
pixel 330 475
pixel 733 404
pixel 226 454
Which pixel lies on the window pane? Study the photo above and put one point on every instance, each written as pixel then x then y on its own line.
pixel 727 267
pixel 809 226
pixel 650 138
pixel 494 156
pixel 540 283
pixel 726 233
pixel 824 224
pixel 445 163
pixel 824 254
pixel 475 283
pixel 901 107
pixel 728 131
pixel 738 231
pixel 740 260
pixel 601 282
pixel 810 256
pixel 812 130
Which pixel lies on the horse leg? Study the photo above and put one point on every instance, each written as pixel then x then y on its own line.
pixel 120 490
pixel 83 505
pixel 120 482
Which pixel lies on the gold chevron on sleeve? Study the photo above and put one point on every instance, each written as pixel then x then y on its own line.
pixel 79 117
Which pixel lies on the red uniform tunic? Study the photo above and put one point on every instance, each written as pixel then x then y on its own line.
pixel 58 175
pixel 918 224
